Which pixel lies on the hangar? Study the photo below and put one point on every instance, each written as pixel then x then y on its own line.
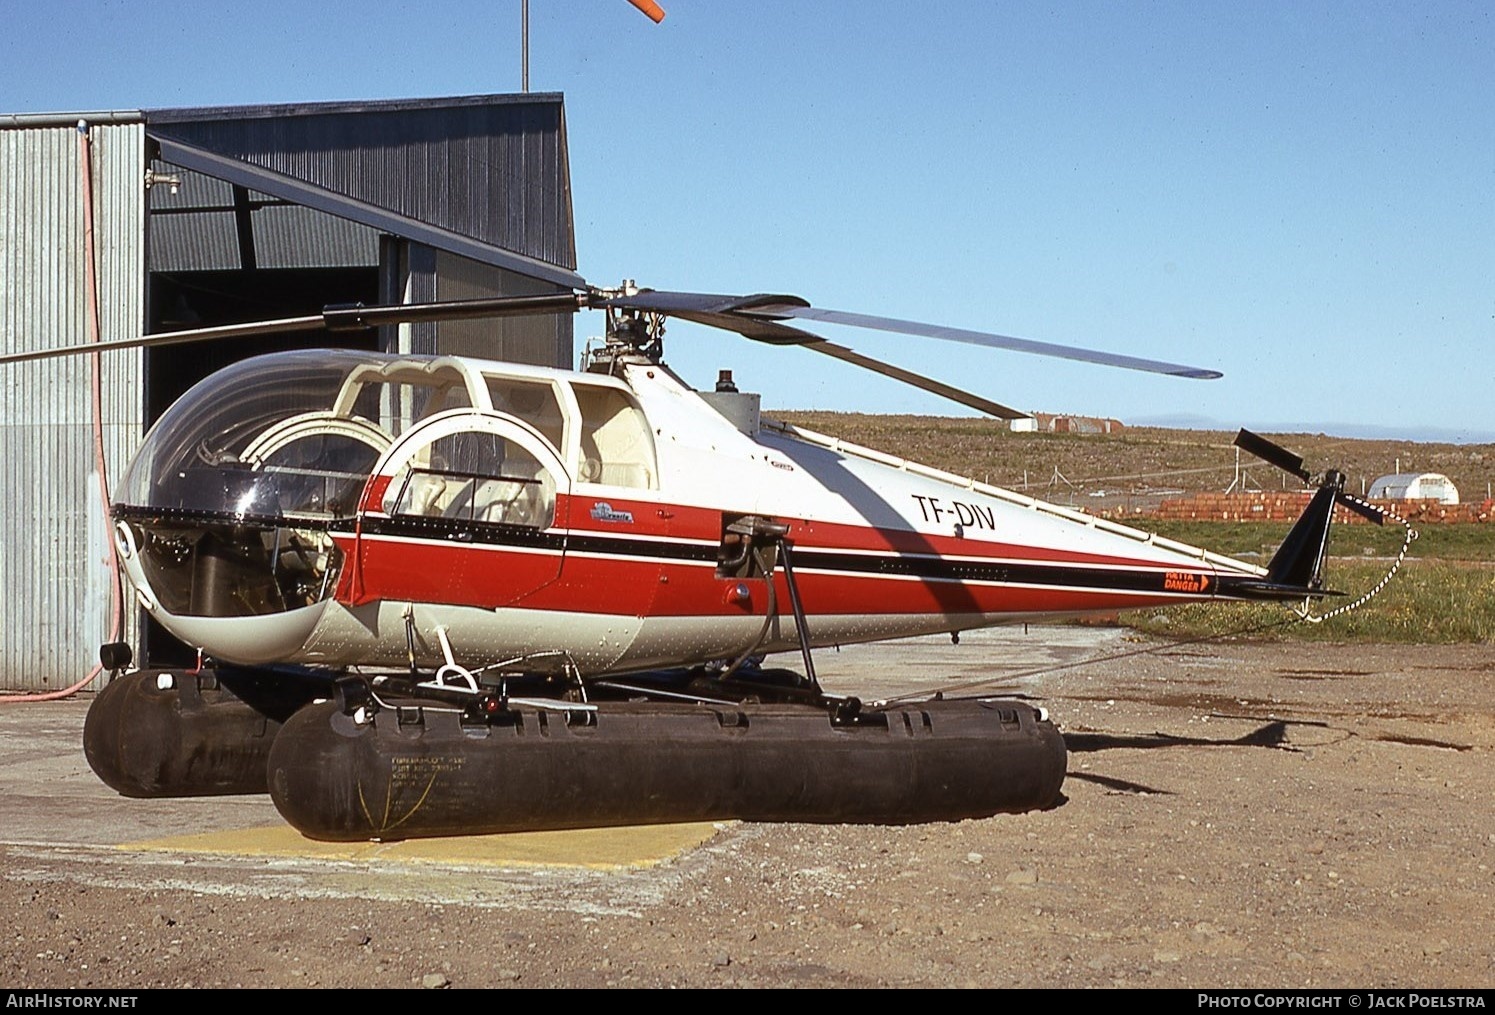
pixel 118 223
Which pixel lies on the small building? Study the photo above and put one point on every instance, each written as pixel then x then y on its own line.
pixel 1055 423
pixel 1415 486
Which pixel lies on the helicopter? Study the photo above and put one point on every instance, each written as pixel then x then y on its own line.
pixel 437 595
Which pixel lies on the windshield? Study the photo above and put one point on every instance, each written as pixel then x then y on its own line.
pixel 290 435
pixel 226 446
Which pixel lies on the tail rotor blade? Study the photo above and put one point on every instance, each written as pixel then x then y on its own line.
pixel 1369 512
pixel 1272 454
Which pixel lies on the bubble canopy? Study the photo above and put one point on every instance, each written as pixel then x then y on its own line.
pixel 285 436
pixel 229 508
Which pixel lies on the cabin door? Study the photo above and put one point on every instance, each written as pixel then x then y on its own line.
pixel 466 509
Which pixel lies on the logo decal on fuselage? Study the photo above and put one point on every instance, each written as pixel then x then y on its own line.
pixel 603 512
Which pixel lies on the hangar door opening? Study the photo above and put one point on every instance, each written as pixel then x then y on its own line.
pixel 219 253
pixel 200 299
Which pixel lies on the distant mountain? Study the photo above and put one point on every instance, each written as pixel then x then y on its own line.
pixel 1361 431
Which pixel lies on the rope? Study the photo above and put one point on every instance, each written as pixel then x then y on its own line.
pixel 1305 613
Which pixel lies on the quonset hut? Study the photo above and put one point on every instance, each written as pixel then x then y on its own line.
pixel 116 224
pixel 1415 486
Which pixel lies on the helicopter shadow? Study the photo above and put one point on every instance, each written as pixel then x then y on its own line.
pixel 828 468
pixel 1271 735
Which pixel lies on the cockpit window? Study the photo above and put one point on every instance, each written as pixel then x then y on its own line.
pixel 402 393
pixel 474 476
pixel 532 401
pixel 617 448
pixel 232 504
pixel 316 464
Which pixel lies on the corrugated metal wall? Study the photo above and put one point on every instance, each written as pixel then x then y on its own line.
pixel 55 581
pixel 194 228
pixel 431 274
pixel 492 167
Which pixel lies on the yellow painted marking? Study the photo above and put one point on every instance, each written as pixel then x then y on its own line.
pixel 597 848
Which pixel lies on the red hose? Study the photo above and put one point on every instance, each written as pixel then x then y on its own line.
pixel 91 295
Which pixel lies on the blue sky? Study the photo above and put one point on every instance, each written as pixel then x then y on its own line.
pixel 1301 195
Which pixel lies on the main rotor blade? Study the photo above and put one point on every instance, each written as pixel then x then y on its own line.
pixel 337 317
pixel 726 312
pixel 716 312
pixel 173 338
pixel 768 309
pixel 976 402
pixel 711 309
pixel 989 340
pixel 349 316
pixel 649 9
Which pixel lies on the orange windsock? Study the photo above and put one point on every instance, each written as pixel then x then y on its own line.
pixel 650 8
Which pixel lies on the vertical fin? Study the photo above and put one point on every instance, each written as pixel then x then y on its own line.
pixel 1299 561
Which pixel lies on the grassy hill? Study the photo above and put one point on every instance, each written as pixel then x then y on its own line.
pixel 1140 463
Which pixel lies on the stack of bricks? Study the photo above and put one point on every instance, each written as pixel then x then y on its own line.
pixel 1287 505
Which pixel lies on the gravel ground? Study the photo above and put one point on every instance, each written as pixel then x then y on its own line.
pixel 1238 815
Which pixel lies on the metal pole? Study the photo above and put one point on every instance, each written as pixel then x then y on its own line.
pixel 524 33
pixel 801 625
